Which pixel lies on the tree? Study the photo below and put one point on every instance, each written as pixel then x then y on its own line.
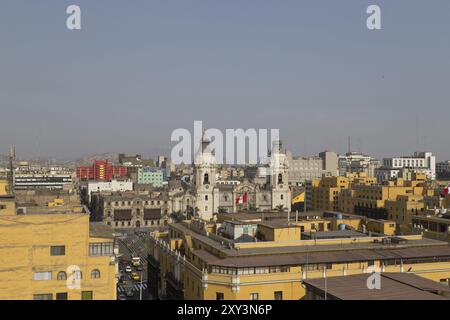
pixel 222 210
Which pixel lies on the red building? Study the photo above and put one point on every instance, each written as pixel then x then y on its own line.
pixel 100 170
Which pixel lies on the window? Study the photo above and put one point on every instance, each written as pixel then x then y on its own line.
pixel 61 276
pixel 206 197
pixel 280 178
pixel 44 296
pixel 95 274
pixel 57 250
pixel 219 296
pixel 61 296
pixel 86 295
pixel 278 295
pixel 254 296
pixel 101 249
pixel 46 275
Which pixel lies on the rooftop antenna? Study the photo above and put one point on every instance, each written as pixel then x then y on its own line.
pixel 417 134
pixel 349 144
pixel 359 145
pixel 12 157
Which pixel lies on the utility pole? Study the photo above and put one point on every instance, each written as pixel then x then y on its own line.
pixel 140 293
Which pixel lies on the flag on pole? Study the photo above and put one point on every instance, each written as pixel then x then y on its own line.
pixel 241 199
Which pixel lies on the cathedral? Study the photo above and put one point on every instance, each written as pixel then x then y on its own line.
pixel 210 196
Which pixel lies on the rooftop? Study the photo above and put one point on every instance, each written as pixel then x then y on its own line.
pixel 339 255
pixel 100 230
pixel 65 209
pixel 334 234
pixel 316 251
pixel 394 286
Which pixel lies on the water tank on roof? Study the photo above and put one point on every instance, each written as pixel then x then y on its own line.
pixel 341 226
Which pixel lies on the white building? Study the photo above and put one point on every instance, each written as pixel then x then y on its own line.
pixel 113 185
pixel 353 162
pixel 424 162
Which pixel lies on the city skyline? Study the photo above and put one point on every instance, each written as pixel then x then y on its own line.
pixel 133 74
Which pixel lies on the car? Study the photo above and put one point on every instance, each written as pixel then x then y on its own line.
pixel 139 268
pixel 128 269
pixel 122 297
pixel 135 276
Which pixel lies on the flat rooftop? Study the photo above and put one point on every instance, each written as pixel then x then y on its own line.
pixel 394 286
pixel 65 209
pixel 334 234
pixel 314 252
pixel 323 257
pixel 100 230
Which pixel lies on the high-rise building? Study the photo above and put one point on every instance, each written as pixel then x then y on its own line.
pixel 101 170
pixel 353 162
pixel 149 175
pixel 421 162
pixel 302 169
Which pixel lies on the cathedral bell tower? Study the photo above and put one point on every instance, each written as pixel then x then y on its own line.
pixel 279 177
pixel 205 171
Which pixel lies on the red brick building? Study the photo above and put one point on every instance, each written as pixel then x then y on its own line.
pixel 101 170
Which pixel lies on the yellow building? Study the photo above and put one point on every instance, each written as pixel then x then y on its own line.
pixel 395 200
pixel 191 263
pixel 324 193
pixel 404 208
pixel 54 253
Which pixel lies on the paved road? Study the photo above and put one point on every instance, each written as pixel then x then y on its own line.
pixel 131 246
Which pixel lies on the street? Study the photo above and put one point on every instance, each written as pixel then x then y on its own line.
pixel 132 245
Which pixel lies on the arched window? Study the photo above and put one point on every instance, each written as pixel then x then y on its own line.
pixel 206 179
pixel 280 178
pixel 95 274
pixel 61 276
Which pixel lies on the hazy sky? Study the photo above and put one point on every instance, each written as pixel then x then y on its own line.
pixel 139 69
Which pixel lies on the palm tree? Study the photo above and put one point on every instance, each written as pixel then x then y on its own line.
pixel 280 208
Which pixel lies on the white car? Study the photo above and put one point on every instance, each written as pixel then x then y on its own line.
pixel 128 269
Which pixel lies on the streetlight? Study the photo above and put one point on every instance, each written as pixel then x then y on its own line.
pixel 140 293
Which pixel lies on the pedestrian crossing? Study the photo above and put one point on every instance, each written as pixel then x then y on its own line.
pixel 136 287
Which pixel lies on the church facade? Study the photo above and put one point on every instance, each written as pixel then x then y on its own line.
pixel 211 196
